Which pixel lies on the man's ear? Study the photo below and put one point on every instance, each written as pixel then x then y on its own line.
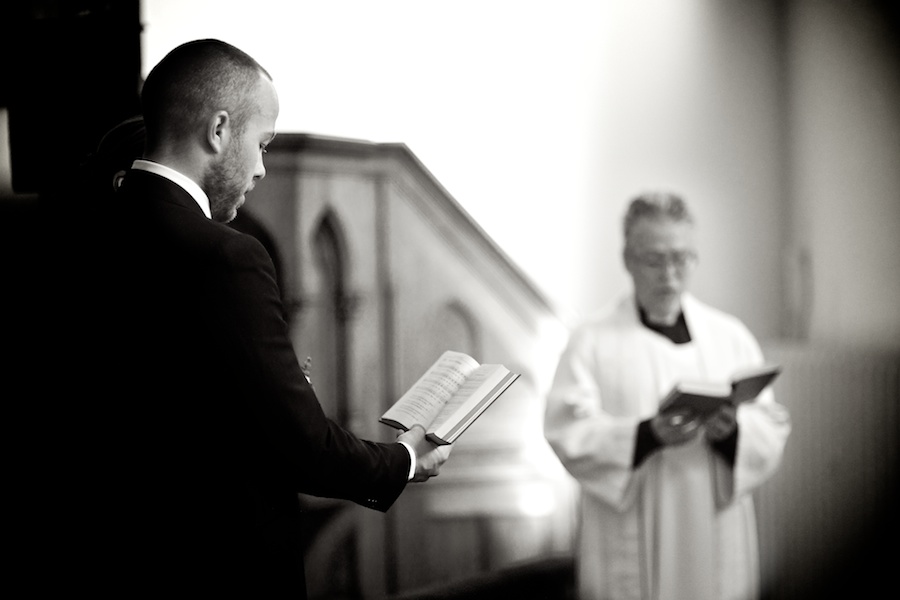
pixel 218 131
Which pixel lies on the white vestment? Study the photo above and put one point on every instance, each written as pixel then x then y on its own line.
pixel 680 526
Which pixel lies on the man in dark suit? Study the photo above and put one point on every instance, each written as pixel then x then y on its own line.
pixel 203 427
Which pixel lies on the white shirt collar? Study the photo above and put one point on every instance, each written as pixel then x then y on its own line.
pixel 188 184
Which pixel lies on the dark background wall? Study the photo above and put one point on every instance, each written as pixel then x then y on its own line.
pixel 69 72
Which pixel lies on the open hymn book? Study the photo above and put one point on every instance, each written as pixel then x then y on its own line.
pixel 703 398
pixel 449 397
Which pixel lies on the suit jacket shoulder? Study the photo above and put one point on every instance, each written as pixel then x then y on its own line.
pixel 211 298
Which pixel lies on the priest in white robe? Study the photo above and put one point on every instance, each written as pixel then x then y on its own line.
pixel 666 511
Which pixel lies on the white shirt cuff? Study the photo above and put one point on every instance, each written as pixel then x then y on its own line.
pixel 412 460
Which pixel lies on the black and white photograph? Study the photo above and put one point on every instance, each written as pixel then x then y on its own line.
pixel 388 299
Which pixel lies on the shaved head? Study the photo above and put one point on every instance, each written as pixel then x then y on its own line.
pixel 193 81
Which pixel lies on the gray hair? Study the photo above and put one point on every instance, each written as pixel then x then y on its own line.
pixel 656 205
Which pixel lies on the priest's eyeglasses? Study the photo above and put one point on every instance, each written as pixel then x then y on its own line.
pixel 658 260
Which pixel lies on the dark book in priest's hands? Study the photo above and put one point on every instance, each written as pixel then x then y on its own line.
pixel 449 397
pixel 704 398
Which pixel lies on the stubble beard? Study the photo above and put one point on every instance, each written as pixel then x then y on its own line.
pixel 223 185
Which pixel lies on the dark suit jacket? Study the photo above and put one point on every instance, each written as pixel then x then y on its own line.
pixel 204 427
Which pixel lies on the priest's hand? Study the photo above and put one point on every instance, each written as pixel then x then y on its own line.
pixel 675 427
pixel 722 423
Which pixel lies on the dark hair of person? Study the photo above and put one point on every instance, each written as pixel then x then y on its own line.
pixel 193 81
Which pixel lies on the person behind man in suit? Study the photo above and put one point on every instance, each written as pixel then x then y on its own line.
pixel 203 426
